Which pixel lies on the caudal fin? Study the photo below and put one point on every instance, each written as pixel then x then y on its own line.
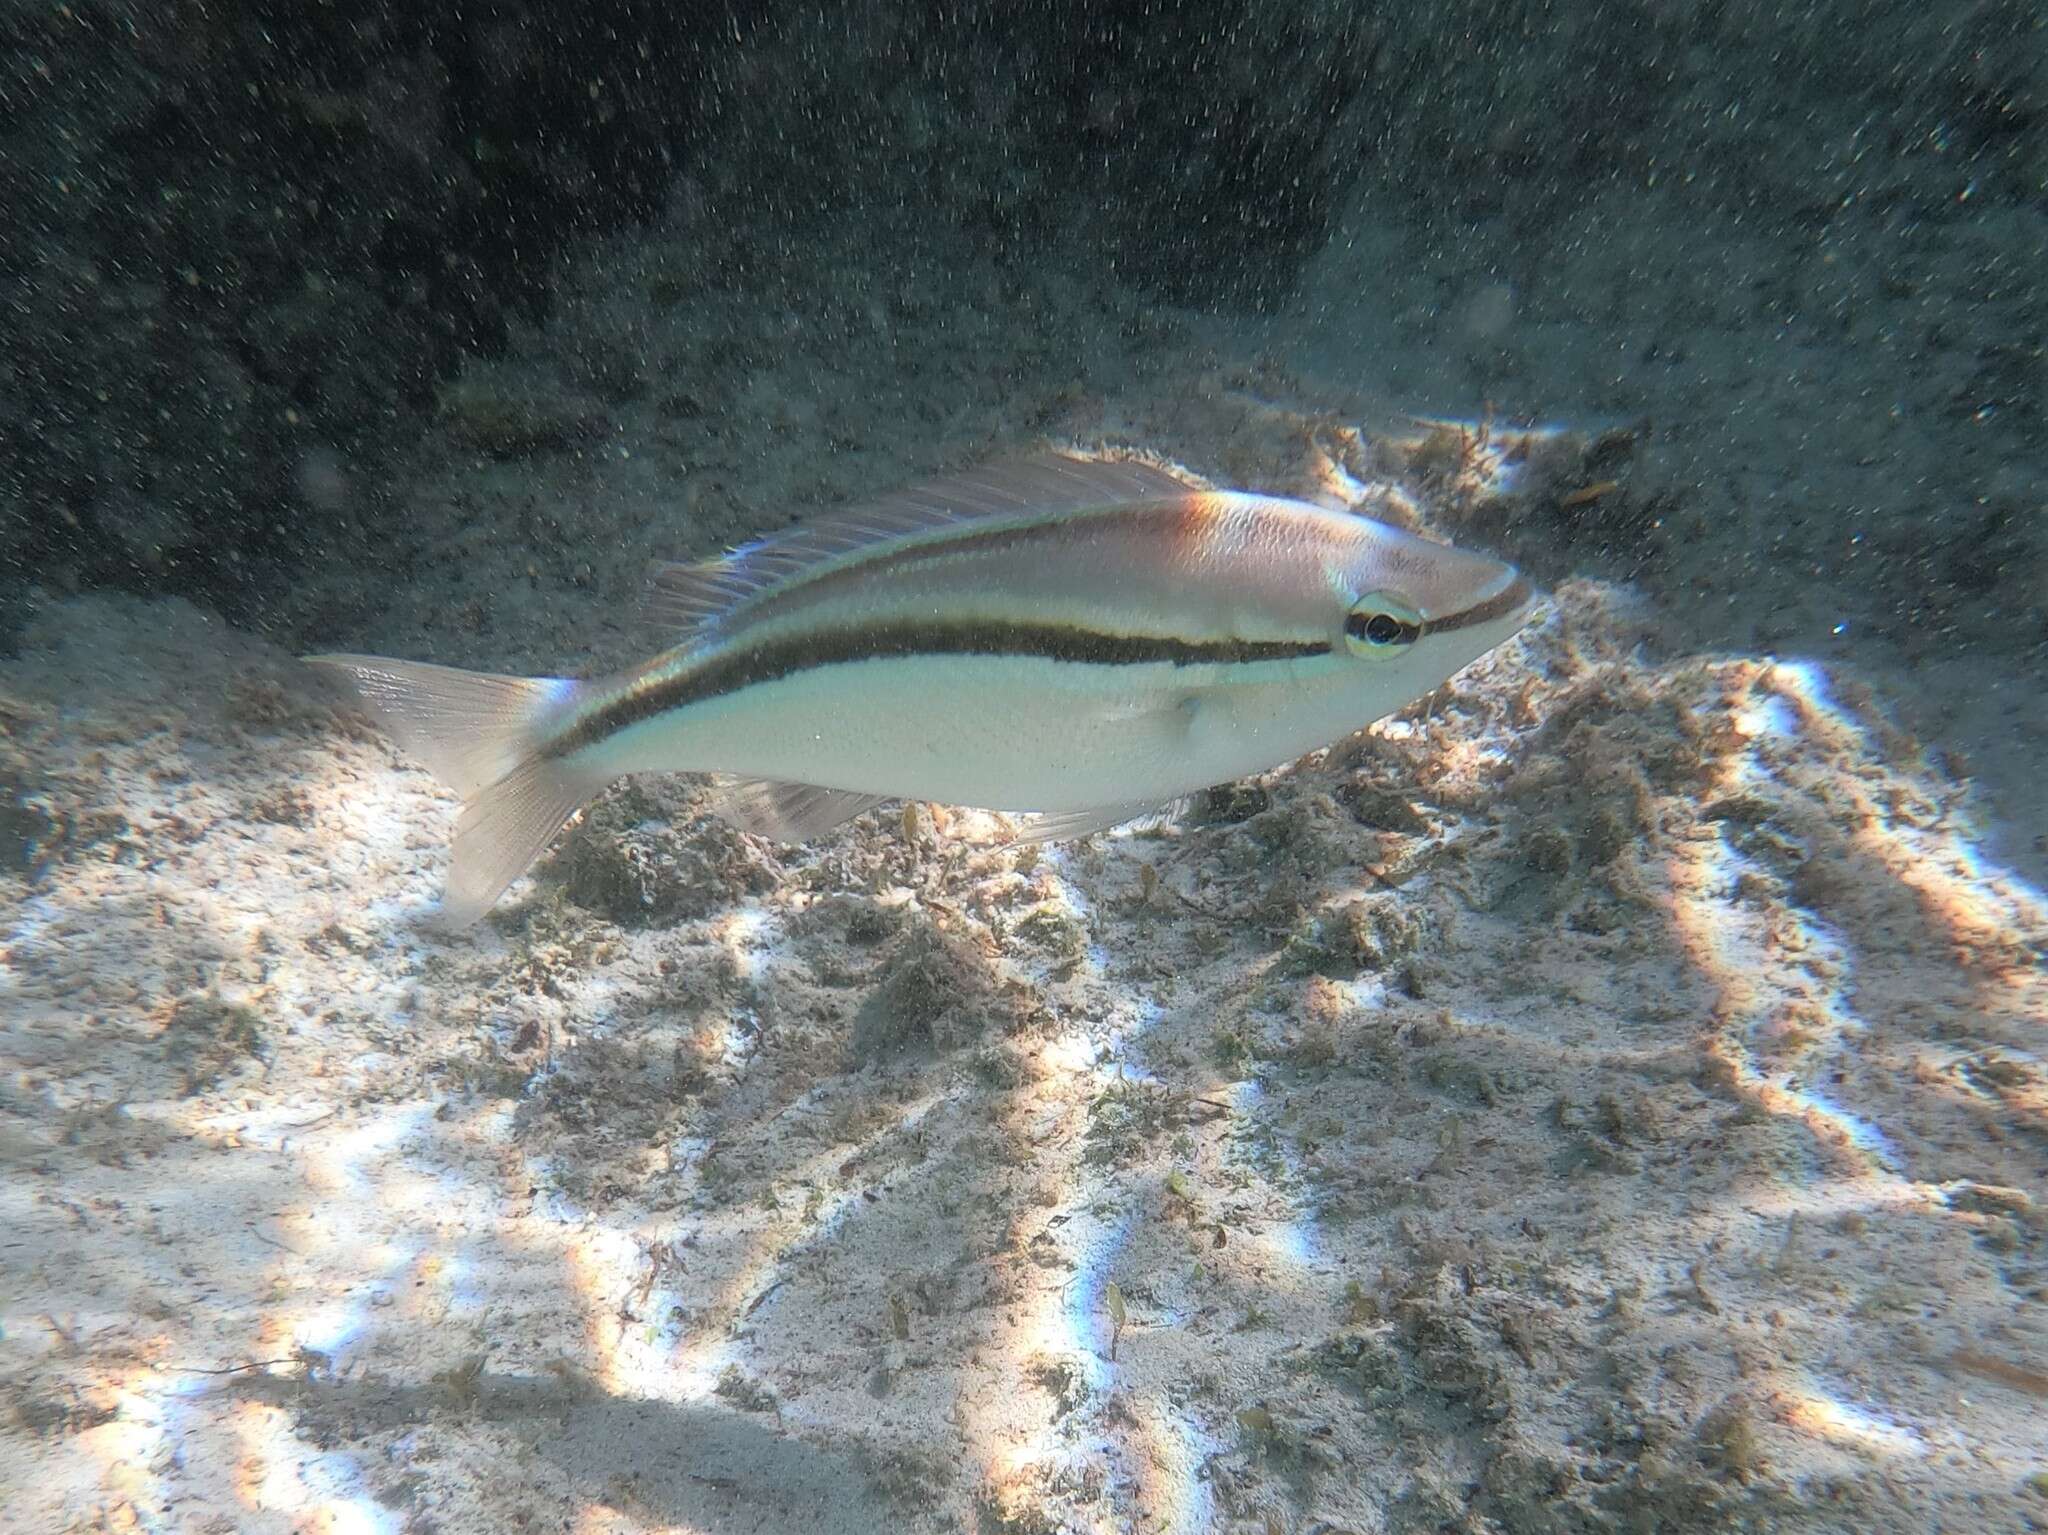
pixel 482 735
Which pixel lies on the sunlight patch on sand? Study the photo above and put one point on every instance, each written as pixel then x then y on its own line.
pixel 1844 1423
pixel 321 1492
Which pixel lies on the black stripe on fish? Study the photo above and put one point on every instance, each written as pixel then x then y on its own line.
pixel 1517 593
pixel 725 673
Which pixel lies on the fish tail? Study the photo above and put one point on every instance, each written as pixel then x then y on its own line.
pixel 485 737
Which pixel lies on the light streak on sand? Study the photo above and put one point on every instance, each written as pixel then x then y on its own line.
pixel 371 1232
pixel 1761 970
pixel 747 1290
pixel 1791 964
pixel 1149 1452
pixel 277 1473
pixel 1935 852
pixel 1724 942
pixel 1153 1454
pixel 652 1332
pixel 605 1264
pixel 742 934
pixel 33 919
pixel 1785 976
pixel 667 1335
pixel 1288 1244
pixel 1777 965
pixel 132 1444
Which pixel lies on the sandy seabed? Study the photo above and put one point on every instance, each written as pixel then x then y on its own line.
pixel 1603 1097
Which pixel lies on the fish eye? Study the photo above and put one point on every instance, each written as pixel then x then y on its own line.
pixel 1380 623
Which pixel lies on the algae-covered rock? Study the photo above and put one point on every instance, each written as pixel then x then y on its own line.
pixel 934 993
pixel 637 860
pixel 1375 932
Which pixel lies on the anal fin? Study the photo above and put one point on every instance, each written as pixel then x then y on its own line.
pixel 1072 825
pixel 790 812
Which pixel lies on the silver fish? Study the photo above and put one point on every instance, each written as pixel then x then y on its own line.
pixel 1082 640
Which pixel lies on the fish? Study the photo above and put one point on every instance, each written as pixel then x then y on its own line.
pixel 1069 639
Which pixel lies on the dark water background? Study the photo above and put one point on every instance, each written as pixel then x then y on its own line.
pixel 246 245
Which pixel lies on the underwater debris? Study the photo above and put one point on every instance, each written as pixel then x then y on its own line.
pixel 860 920
pixel 1360 1304
pixel 1279 1437
pixel 1056 931
pixel 207 1038
pixel 461 1384
pixel 913 1478
pixel 261 703
pixel 1729 1440
pixel 744 1392
pixel 1228 804
pixel 1362 1359
pixel 1383 807
pixel 1126 1116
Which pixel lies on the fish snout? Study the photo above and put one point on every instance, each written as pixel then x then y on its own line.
pixel 1504 603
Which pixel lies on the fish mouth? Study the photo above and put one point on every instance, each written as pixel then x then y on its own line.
pixel 1510 597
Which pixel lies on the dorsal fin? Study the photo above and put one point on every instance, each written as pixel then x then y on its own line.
pixel 687 597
